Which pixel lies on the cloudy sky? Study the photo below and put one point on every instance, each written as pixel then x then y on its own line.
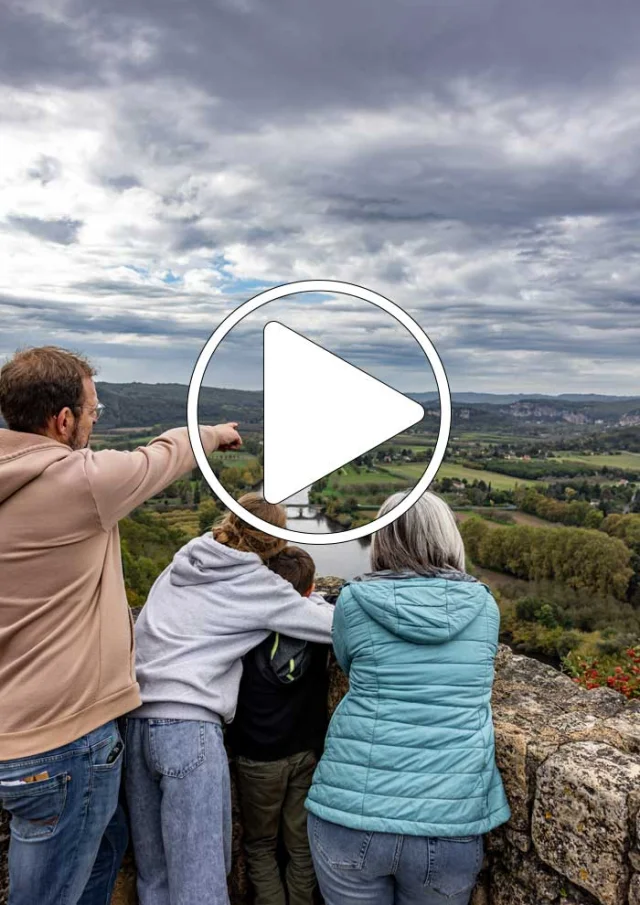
pixel 475 161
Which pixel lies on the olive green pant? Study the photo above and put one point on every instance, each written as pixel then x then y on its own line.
pixel 272 796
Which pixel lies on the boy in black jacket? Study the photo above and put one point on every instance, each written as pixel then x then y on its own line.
pixel 277 734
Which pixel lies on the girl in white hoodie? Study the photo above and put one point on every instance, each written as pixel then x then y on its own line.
pixel 213 604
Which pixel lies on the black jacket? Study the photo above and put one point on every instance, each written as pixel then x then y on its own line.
pixel 282 703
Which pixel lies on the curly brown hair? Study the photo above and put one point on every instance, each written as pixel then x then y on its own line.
pixel 235 533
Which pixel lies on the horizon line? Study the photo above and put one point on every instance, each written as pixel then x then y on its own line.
pixel 405 392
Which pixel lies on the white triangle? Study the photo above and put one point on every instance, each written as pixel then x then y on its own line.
pixel 320 412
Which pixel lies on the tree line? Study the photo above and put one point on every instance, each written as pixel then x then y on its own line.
pixel 577 513
pixel 580 558
pixel 549 468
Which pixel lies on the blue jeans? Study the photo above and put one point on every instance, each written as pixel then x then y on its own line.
pixel 179 798
pixel 68 833
pixel 355 867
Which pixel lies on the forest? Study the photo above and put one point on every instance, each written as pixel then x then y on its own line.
pixel 578 558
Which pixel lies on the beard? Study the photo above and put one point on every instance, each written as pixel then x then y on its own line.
pixel 74 439
pixel 75 442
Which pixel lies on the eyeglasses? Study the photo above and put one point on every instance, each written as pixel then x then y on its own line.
pixel 97 411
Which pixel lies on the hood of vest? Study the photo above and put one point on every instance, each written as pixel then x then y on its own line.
pixel 421 609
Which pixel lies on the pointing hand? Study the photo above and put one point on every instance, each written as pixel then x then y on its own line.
pixel 229 438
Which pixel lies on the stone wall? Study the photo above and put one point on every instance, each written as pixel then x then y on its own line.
pixel 570 760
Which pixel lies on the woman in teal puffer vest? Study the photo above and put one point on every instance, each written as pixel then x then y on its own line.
pixel 408 783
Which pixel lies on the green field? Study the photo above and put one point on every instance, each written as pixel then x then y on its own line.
pixel 185 519
pixel 115 441
pixel 627 460
pixel 450 470
pixel 481 437
pixel 412 441
pixel 351 474
pixel 407 473
pixel 518 518
pixel 233 458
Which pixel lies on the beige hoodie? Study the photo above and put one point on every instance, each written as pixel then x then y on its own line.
pixel 66 640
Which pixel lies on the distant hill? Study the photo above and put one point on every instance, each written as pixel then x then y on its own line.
pixel 165 404
pixel 507 398
pixel 146 406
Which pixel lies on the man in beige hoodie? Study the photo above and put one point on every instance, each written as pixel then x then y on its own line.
pixel 66 640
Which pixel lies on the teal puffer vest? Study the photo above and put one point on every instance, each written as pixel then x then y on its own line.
pixel 410 748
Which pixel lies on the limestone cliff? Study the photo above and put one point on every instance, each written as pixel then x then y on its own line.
pixel 570 760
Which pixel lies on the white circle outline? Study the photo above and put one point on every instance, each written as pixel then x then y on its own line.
pixel 365 295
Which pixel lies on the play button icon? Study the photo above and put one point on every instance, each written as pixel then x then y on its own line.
pixel 326 390
pixel 319 411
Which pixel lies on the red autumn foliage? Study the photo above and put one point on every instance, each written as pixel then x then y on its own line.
pixel 621 674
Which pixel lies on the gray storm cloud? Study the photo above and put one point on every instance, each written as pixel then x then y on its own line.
pixel 475 161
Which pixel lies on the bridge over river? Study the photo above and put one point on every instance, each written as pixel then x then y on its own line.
pixel 344 560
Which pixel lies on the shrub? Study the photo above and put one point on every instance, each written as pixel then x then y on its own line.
pixel 621 672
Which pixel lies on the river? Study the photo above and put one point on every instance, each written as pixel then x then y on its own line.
pixel 351 558
pixel 345 560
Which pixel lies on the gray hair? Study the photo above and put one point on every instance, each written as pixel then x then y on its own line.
pixel 426 537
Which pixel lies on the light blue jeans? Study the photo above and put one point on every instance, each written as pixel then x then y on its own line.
pixel 68 833
pixel 179 799
pixel 361 868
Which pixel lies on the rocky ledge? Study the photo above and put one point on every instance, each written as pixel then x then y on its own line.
pixel 570 760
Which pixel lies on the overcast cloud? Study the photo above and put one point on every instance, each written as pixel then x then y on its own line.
pixel 476 161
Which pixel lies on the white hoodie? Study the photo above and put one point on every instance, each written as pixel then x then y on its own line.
pixel 209 608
